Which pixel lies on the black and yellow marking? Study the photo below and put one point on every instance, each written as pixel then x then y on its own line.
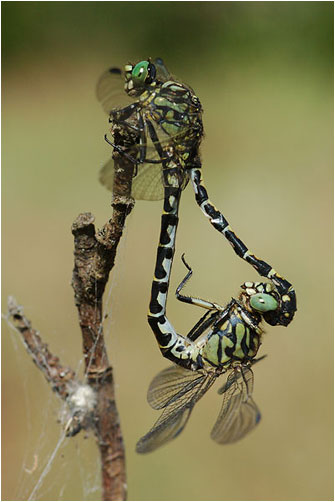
pixel 284 315
pixel 167 115
pixel 172 345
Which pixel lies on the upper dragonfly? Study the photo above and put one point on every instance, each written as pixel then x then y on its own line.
pixel 165 117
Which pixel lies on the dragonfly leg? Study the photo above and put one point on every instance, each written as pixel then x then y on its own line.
pixel 146 126
pixel 192 300
pixel 141 130
pixel 285 289
pixel 126 124
pixel 123 114
pixel 142 138
pixel 154 139
pixel 120 150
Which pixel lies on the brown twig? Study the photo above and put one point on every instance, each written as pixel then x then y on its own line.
pixel 61 378
pixel 92 404
pixel 94 258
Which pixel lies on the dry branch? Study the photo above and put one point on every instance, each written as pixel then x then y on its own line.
pixel 61 378
pixel 94 257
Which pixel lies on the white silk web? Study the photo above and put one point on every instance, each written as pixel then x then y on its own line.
pixel 49 465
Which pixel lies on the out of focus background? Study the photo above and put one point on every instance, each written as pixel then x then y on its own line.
pixel 264 74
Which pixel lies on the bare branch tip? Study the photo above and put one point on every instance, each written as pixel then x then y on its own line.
pixel 84 223
pixel 14 309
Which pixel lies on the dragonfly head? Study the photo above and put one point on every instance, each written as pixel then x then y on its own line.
pixel 260 298
pixel 264 299
pixel 138 77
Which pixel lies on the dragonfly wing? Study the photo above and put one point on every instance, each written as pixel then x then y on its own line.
pixel 163 73
pixel 110 86
pixel 106 174
pixel 167 386
pixel 147 184
pixel 182 395
pixel 239 413
pixel 165 429
pixel 110 90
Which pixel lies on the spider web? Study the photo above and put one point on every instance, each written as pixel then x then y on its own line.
pixel 53 466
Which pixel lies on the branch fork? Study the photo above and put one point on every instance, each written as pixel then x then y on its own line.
pixel 91 404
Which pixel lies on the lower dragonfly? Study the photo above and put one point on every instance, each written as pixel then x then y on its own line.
pixel 225 339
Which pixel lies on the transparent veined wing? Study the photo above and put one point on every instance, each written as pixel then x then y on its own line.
pixel 176 390
pixel 170 383
pixel 147 183
pixel 110 90
pixel 163 73
pixel 239 413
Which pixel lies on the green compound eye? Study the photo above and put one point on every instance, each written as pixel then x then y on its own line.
pixel 140 73
pixel 263 302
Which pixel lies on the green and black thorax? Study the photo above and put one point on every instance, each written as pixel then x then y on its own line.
pixel 235 336
pixel 168 114
pixel 176 110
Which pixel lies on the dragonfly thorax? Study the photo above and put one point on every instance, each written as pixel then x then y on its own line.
pixel 171 107
pixel 175 114
pixel 235 337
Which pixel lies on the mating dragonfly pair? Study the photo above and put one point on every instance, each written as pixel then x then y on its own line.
pixel 164 119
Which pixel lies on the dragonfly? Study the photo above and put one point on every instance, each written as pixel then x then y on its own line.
pixel 171 104
pixel 164 116
pixel 225 340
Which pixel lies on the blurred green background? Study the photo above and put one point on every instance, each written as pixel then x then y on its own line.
pixel 264 74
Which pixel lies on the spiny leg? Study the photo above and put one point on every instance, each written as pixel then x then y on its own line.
pixel 144 127
pixel 205 322
pixel 189 299
pixel 156 142
pixel 121 150
pixel 141 146
pixel 126 124
pixel 123 114
pixel 209 318
pixel 216 218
